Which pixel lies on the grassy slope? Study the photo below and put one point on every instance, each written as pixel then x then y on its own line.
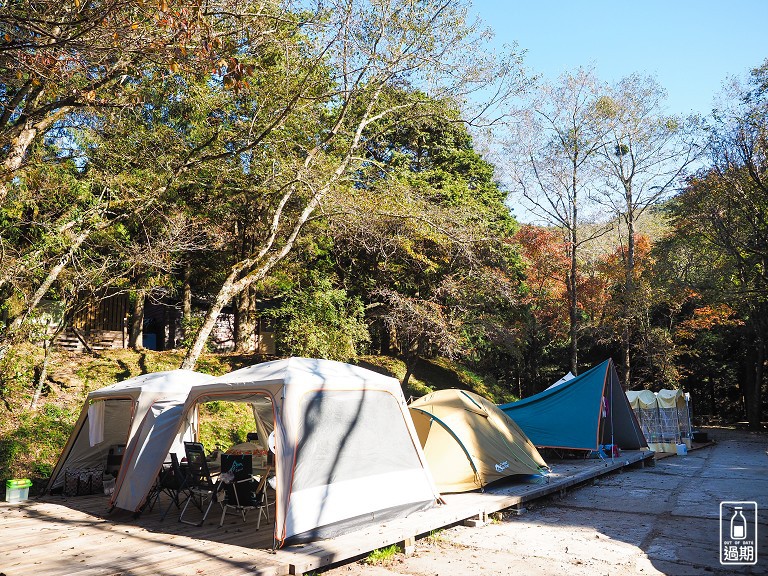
pixel 438 374
pixel 31 440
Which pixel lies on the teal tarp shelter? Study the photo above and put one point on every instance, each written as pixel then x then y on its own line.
pixel 580 414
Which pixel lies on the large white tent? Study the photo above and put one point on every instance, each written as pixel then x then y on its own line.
pixel 346 451
pixel 114 418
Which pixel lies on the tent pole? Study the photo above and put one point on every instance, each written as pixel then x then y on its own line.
pixel 610 414
pixel 688 412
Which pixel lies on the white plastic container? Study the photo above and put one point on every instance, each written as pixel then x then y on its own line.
pixel 108 485
pixel 17 490
pixel 682 450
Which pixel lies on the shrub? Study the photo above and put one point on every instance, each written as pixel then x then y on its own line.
pixel 321 322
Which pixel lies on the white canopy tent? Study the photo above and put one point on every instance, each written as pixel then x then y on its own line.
pixel 562 380
pixel 346 452
pixel 114 418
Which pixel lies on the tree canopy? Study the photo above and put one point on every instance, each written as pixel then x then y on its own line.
pixel 313 168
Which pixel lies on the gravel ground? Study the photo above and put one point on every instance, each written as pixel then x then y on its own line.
pixel 650 521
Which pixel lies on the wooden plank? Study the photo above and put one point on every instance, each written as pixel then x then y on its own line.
pixel 136 548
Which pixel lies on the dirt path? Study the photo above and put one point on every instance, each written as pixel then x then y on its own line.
pixel 658 520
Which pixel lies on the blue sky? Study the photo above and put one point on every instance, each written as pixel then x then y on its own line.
pixel 690 46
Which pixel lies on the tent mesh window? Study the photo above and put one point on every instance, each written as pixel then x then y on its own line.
pixel 650 424
pixel 342 439
pixel 669 425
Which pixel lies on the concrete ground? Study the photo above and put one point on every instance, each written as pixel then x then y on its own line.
pixel 656 520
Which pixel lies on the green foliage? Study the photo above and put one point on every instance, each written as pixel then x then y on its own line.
pixel 438 374
pixel 484 385
pixel 429 149
pixel 43 470
pixel 422 240
pixel 17 372
pixel 321 322
pixel 382 556
pixel 606 107
pixel 436 536
pixel 32 447
pixel 223 424
pixel 120 365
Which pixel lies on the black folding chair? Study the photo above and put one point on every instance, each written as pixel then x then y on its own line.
pixel 197 484
pixel 241 491
pixel 169 481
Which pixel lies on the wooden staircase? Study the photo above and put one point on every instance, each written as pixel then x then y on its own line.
pixel 90 340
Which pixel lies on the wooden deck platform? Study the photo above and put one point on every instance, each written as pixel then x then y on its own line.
pixel 55 536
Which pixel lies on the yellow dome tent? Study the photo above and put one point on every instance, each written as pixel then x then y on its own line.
pixel 469 442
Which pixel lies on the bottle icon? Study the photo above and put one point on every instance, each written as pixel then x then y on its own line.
pixel 738 525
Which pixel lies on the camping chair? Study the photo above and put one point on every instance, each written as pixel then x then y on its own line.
pixel 197 483
pixel 241 491
pixel 157 488
pixel 170 481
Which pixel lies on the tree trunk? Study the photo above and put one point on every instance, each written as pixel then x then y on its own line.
pixel 573 308
pixel 753 385
pixel 574 334
pixel 186 302
pixel 246 319
pixel 573 311
pixel 629 289
pixel 136 336
pixel 410 366
pixel 23 138
pixel 531 358
pixel 19 147
pixel 43 376
pixel 627 358
pixel 169 329
pixel 225 295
